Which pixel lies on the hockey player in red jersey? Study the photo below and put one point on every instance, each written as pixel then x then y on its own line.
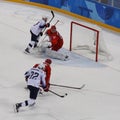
pixel 55 38
pixel 52 46
pixel 47 70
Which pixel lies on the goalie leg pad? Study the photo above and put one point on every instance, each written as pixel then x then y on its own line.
pixel 44 45
pixel 55 54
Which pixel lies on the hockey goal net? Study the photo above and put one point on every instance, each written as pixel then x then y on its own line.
pixel 88 41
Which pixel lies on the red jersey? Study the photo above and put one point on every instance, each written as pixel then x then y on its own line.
pixel 55 39
pixel 48 73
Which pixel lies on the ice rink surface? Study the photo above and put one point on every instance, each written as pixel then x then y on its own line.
pixel 100 98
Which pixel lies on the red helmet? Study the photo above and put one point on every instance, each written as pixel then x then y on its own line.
pixel 49 61
pixel 53 28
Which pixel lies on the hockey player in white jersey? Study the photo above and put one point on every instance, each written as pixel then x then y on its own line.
pixel 35 80
pixel 36 31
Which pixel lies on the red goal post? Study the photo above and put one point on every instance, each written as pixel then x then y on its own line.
pixel 88 28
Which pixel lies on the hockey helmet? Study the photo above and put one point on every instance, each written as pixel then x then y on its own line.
pixel 41 66
pixel 49 61
pixel 45 18
pixel 53 28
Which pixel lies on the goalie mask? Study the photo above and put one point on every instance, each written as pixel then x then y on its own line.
pixel 53 28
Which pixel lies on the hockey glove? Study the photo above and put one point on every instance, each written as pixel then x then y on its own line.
pixel 26 78
pixel 47 25
pixel 46 89
pixel 41 33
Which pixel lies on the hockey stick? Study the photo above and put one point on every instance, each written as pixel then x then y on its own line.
pixel 52 16
pixel 50 19
pixel 79 88
pixel 48 22
pixel 62 96
pixel 56 23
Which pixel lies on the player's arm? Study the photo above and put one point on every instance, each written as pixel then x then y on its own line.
pixel 43 25
pixel 36 65
pixel 48 74
pixel 27 74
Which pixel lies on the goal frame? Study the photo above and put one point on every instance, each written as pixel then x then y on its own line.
pixel 87 27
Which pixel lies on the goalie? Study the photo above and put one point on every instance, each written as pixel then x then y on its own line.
pixel 52 46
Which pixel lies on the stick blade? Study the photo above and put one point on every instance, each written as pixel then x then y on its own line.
pixel 52 13
pixel 82 86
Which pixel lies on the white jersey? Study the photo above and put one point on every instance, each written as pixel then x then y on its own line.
pixel 36 77
pixel 37 28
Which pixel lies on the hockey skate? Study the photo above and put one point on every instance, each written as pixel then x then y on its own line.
pixel 17 106
pixel 27 51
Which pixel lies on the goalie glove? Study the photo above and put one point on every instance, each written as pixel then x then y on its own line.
pixel 46 44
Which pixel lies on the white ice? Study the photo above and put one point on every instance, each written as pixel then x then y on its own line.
pixel 99 100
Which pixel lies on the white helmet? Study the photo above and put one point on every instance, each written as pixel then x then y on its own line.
pixel 45 18
pixel 41 66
